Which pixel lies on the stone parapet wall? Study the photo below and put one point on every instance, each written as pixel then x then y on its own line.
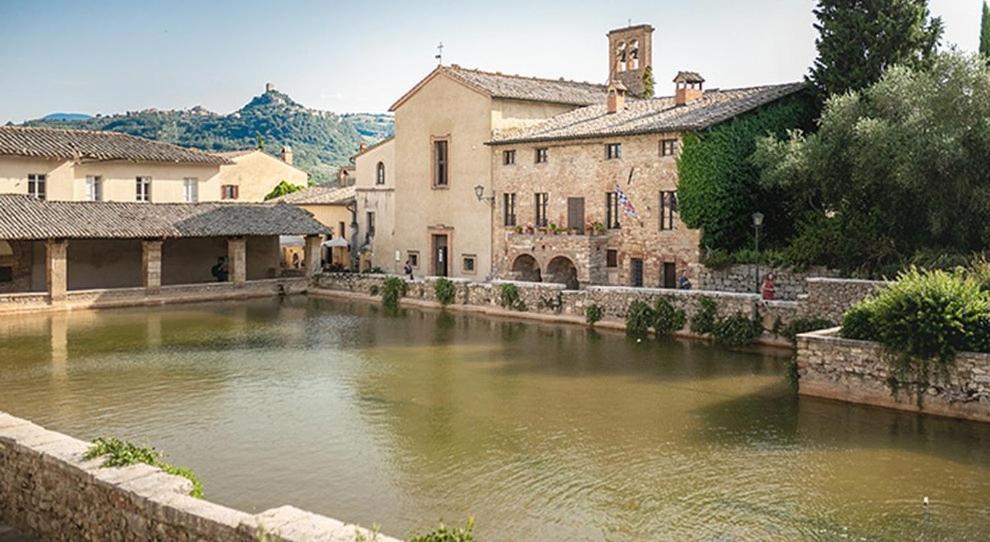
pixel 830 298
pixel 790 284
pixel 859 372
pixel 48 490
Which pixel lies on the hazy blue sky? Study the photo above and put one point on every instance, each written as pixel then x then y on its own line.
pixel 118 55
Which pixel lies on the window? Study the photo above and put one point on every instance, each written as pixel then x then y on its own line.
pixel 413 258
pixel 612 210
pixel 142 188
pixel 508 158
pixel 370 221
pixel 190 189
pixel 668 147
pixel 509 209
pixel 229 191
pixel 36 185
pixel 540 213
pixel 611 258
pixel 668 210
pixel 380 173
pixel 94 188
pixel 467 263
pixel 541 155
pixel 440 163
pixel 613 151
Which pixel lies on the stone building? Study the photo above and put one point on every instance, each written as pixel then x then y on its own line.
pixel 375 201
pixel 82 165
pixel 590 196
pixel 334 207
pixel 61 248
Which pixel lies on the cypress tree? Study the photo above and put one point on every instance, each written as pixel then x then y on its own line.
pixel 985 33
pixel 648 82
pixel 859 39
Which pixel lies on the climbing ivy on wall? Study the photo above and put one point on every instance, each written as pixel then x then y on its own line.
pixel 719 187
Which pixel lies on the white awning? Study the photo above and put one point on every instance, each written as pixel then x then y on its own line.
pixel 337 242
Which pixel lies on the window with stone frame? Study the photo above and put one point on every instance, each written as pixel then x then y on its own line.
pixel 37 185
pixel 540 212
pixel 441 163
pixel 509 209
pixel 229 191
pixel 142 189
pixel 668 210
pixel 613 151
pixel 380 173
pixel 468 262
pixel 668 147
pixel 612 210
pixel 542 155
pixel 508 158
pixel 413 256
pixel 611 258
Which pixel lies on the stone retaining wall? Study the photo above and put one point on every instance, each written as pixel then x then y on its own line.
pixel 858 372
pixel 47 489
pixel 742 278
pixel 830 298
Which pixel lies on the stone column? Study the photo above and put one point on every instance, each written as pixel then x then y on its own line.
pixel 151 265
pixel 237 260
pixel 314 254
pixel 56 269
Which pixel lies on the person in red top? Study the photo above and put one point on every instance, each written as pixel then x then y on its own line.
pixel 768 289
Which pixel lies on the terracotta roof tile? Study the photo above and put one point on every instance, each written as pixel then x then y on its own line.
pixel 61 144
pixel 536 89
pixel 320 195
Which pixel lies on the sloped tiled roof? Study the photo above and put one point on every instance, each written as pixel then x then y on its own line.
pixel 61 144
pixel 320 195
pixel 235 154
pixel 517 87
pixel 24 217
pixel 650 116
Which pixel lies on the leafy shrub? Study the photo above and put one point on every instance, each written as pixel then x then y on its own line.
pixel 666 318
pixel 448 534
pixel 804 325
pixel 374 271
pixel 737 330
pixel 393 289
pixel 509 298
pixel 639 318
pixel 857 323
pixel 374 290
pixel 703 321
pixel 120 453
pixel 593 314
pixel 445 291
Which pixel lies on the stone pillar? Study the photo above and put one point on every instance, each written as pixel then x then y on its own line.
pixel 56 269
pixel 151 265
pixel 237 260
pixel 314 253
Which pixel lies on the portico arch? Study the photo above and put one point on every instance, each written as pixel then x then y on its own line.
pixel 562 270
pixel 525 268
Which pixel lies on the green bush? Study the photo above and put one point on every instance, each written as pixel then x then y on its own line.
pixel 804 325
pixel 703 321
pixel 509 298
pixel 737 330
pixel 857 323
pixel 593 314
pixel 393 289
pixel 120 453
pixel 445 291
pixel 448 534
pixel 667 319
pixel 639 318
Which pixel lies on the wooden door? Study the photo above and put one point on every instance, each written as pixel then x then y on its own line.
pixel 636 268
pixel 440 255
pixel 669 275
pixel 575 214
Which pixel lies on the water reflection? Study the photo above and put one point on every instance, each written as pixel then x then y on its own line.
pixel 537 430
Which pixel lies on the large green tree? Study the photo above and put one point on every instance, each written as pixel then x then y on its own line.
pixel 895 169
pixel 985 32
pixel 859 39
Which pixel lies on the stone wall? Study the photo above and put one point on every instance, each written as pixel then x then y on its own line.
pixel 47 489
pixel 859 372
pixel 829 298
pixel 742 278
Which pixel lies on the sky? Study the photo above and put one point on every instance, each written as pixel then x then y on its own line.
pixel 120 55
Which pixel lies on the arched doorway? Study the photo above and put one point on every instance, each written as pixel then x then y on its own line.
pixel 526 269
pixel 561 270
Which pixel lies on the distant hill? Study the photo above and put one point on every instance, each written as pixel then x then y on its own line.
pixel 320 140
pixel 66 116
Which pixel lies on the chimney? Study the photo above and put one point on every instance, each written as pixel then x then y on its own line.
pixel 287 154
pixel 630 52
pixel 362 147
pixel 688 87
pixel 616 100
pixel 269 87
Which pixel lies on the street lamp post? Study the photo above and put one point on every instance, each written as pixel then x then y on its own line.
pixel 757 224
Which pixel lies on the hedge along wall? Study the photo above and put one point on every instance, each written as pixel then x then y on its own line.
pixel 47 489
pixel 857 372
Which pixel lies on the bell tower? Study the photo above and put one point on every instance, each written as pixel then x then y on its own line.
pixel 630 52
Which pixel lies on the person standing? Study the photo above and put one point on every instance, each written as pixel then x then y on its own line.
pixel 683 282
pixel 769 289
pixel 408 270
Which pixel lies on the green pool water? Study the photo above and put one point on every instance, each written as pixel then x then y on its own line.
pixel 537 431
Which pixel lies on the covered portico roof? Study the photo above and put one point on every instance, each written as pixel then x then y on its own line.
pixel 23 217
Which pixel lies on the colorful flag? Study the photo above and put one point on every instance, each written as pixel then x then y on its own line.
pixel 627 205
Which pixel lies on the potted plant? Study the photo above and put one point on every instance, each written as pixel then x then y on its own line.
pixel 518 229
